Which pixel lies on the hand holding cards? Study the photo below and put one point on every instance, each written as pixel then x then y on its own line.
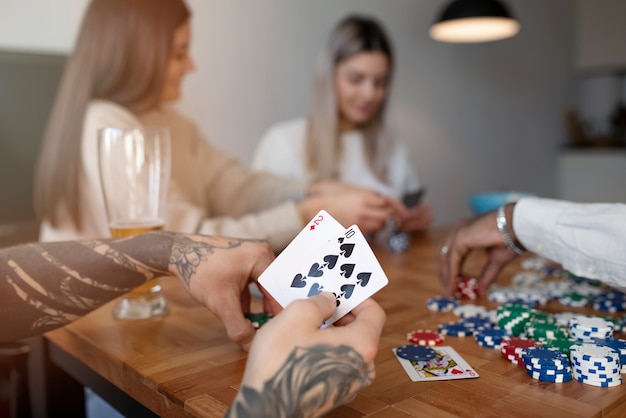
pixel 325 256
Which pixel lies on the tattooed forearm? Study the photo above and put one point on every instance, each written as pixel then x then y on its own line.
pixel 312 381
pixel 187 254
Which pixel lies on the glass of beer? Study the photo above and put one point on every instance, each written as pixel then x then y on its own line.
pixel 134 172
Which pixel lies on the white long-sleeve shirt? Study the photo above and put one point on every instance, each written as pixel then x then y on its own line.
pixel 587 239
pixel 282 151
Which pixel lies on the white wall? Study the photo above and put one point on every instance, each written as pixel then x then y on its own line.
pixel 476 117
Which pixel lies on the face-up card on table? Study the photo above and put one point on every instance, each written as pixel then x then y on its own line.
pixel 320 230
pixel 446 365
pixel 344 265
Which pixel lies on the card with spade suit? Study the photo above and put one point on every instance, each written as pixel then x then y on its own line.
pixel 319 231
pixel 344 265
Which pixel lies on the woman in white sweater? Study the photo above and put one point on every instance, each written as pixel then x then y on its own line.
pixel 127 67
pixel 345 136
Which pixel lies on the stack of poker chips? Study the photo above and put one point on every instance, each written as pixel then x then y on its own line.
pixel 258 319
pixel 547 364
pixel 609 301
pixel 619 346
pixel 490 337
pixel 575 300
pixel 512 347
pixel 466 288
pixel 441 304
pixel 513 317
pixel 455 329
pixel 588 328
pixel 596 365
pixel 425 337
pixel 544 329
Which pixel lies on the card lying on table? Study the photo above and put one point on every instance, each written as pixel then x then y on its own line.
pixel 445 364
pixel 324 256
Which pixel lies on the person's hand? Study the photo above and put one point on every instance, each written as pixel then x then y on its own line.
pixel 217 271
pixel 353 205
pixel 297 369
pixel 419 218
pixel 478 233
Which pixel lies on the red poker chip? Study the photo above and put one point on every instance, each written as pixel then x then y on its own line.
pixel 425 337
pixel 466 287
pixel 513 346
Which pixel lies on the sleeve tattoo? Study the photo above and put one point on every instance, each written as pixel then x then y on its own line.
pixel 312 380
pixel 47 285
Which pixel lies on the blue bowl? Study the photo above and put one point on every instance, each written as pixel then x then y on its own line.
pixel 486 202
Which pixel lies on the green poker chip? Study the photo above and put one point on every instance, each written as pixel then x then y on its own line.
pixel 258 319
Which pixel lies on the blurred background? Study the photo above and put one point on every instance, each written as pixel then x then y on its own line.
pixel 533 113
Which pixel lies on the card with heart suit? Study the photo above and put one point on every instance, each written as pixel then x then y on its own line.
pixel 344 265
pixel 320 230
pixel 447 365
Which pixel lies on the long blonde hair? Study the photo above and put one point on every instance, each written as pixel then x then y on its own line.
pixel 354 34
pixel 121 55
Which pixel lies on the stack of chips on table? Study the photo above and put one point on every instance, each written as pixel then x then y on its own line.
pixel 490 337
pixel 619 346
pixel 547 364
pixel 595 365
pixel 512 348
pixel 609 301
pixel 589 328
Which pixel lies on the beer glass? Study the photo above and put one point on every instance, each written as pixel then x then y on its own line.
pixel 134 173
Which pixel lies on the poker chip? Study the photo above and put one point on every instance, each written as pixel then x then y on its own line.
pixel 547 364
pixel 526 278
pixel 619 346
pixel 425 337
pixel 596 365
pixel 415 352
pixel 513 317
pixel 575 300
pixel 609 301
pixel 398 242
pixel 258 319
pixel 512 347
pixel 490 337
pixel 477 322
pixel 466 288
pixel 534 263
pixel 588 328
pixel 455 329
pixel 470 310
pixel 441 304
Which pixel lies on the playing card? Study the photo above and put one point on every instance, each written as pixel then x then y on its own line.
pixel 345 266
pixel 322 228
pixel 446 365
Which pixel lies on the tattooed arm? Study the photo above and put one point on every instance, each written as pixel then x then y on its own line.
pixel 296 369
pixel 47 285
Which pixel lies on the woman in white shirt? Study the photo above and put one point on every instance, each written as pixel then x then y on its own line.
pixel 345 136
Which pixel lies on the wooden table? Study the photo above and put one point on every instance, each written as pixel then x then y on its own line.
pixel 184 365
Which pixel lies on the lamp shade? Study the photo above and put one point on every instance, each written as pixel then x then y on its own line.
pixel 474 21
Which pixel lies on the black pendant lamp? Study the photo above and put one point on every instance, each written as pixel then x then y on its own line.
pixel 467 21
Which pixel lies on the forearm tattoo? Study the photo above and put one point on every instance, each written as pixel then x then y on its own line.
pixel 313 380
pixel 187 254
pixel 46 285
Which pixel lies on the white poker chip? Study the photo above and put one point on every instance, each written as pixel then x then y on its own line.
pixel 470 310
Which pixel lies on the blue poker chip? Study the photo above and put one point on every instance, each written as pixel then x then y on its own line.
pixel 455 329
pixel 440 303
pixel 399 242
pixel 416 352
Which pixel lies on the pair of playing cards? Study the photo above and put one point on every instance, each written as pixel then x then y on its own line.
pixel 444 364
pixel 325 256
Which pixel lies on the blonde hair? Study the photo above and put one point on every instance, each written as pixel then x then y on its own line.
pixel 353 35
pixel 121 55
